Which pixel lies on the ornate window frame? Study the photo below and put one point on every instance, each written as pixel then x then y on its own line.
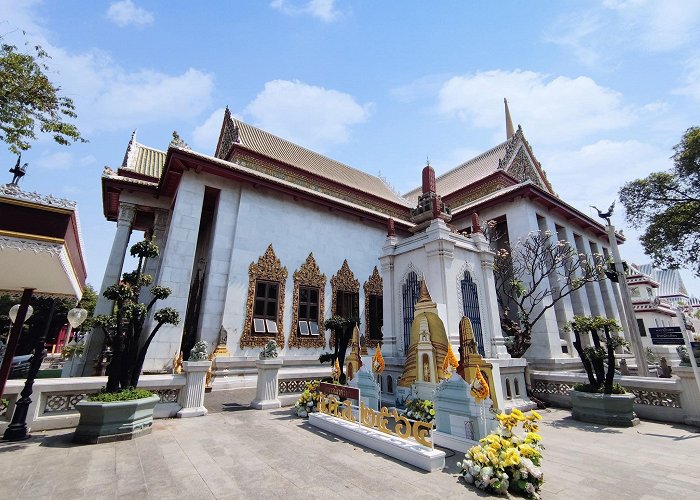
pixel 267 268
pixel 310 275
pixel 342 281
pixel 373 286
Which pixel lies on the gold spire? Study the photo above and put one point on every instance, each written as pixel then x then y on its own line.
pixel 509 123
pixel 424 294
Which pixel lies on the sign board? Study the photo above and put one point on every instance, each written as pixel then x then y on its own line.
pixel 342 391
pixel 667 335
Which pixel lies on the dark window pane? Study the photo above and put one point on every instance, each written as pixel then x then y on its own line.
pixel 304 294
pixel 271 309
pixel 271 290
pixel 260 289
pixel 259 308
pixel 313 312
pixel 314 296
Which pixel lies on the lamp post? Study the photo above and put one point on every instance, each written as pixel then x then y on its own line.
pixel 17 430
pixel 18 317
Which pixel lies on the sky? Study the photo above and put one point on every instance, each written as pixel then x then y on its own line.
pixel 602 89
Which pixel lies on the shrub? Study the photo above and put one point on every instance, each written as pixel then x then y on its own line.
pixel 420 409
pixel 123 395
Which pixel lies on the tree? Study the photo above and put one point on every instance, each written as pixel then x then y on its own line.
pixel 667 206
pixel 124 328
pixel 342 329
pixel 532 276
pixel 28 100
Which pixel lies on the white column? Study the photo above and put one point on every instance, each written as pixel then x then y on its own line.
pixel 192 395
pixel 522 219
pixel 160 223
pixel 177 261
pixel 219 261
pixel 113 273
pixel 267 388
pixel 440 254
pixel 598 304
pixel 579 298
pixel 391 329
pixel 564 307
pixel 495 345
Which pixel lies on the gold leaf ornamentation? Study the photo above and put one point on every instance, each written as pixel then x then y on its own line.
pixel 373 286
pixel 310 275
pixel 268 268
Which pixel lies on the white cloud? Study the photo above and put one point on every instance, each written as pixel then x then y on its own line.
pixel 600 33
pixel 691 80
pixel 312 116
pixel 61 160
pixel 324 10
pixel 126 12
pixel 206 135
pixel 552 109
pixel 106 95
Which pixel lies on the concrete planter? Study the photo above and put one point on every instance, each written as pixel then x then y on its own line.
pixel 616 410
pixel 119 421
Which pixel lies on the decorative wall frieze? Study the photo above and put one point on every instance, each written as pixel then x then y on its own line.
pixel 25 245
pixel 309 275
pixel 373 286
pixel 15 193
pixel 268 268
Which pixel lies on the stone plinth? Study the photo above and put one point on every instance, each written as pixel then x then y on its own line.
pixel 192 395
pixel 369 391
pixel 267 388
pixel 395 447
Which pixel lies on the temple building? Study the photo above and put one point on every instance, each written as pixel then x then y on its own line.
pixel 265 239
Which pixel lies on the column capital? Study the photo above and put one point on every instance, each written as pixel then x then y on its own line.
pixel 127 211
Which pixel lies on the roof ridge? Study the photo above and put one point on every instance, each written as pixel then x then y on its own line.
pixel 470 160
pixel 311 151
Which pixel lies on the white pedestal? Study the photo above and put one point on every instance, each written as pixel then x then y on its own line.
pixel 267 388
pixel 192 395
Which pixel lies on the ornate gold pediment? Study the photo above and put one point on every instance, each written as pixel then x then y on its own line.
pixel 310 275
pixel 267 268
pixel 373 286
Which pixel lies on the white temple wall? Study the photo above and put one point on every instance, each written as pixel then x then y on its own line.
pixel 294 228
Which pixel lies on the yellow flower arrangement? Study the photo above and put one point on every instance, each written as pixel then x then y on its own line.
pixel 480 387
pixel 505 461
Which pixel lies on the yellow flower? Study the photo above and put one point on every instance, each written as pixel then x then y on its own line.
pixel 512 457
pixel 533 437
pixel 536 415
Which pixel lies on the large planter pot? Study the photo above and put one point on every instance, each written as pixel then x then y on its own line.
pixel 616 410
pixel 118 421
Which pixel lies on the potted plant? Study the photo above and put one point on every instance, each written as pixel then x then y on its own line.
pixel 600 401
pixel 121 411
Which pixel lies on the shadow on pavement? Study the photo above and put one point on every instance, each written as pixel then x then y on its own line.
pixel 569 422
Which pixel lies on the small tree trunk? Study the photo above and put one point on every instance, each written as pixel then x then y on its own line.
pixel 136 373
pixel 586 362
pixel 598 366
pixel 611 363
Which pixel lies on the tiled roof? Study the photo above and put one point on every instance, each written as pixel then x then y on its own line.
pixel 670 281
pixel 466 173
pixel 301 158
pixel 149 161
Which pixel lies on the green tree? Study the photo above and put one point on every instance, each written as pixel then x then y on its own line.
pixel 667 206
pixel 30 101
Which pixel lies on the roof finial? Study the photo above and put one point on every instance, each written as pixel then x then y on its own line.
pixel 427 161
pixel 509 123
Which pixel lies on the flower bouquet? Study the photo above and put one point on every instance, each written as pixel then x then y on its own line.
pixel 505 461
pixel 307 401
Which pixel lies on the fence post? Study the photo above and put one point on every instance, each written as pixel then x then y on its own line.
pixel 192 395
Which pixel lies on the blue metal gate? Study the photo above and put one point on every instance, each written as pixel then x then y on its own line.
pixel 411 291
pixel 470 301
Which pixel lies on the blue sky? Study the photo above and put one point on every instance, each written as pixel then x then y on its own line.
pixel 603 90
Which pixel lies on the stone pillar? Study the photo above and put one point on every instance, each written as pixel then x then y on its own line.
pixel 219 259
pixel 113 272
pixel 160 224
pixel 563 308
pixel 495 347
pixel 579 298
pixel 390 330
pixel 177 261
pixel 440 254
pixel 192 395
pixel 267 388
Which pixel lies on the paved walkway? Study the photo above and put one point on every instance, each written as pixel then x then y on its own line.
pixel 244 453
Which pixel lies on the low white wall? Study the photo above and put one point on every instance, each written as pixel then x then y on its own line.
pixel 54 399
pixel 675 399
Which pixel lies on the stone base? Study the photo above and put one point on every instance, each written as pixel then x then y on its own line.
pixel 606 409
pixel 451 442
pixel 393 446
pixel 192 412
pixel 111 438
pixel 265 404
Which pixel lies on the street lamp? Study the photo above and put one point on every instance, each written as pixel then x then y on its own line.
pixel 15 309
pixel 17 430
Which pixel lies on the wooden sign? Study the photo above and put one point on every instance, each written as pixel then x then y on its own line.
pixel 341 391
